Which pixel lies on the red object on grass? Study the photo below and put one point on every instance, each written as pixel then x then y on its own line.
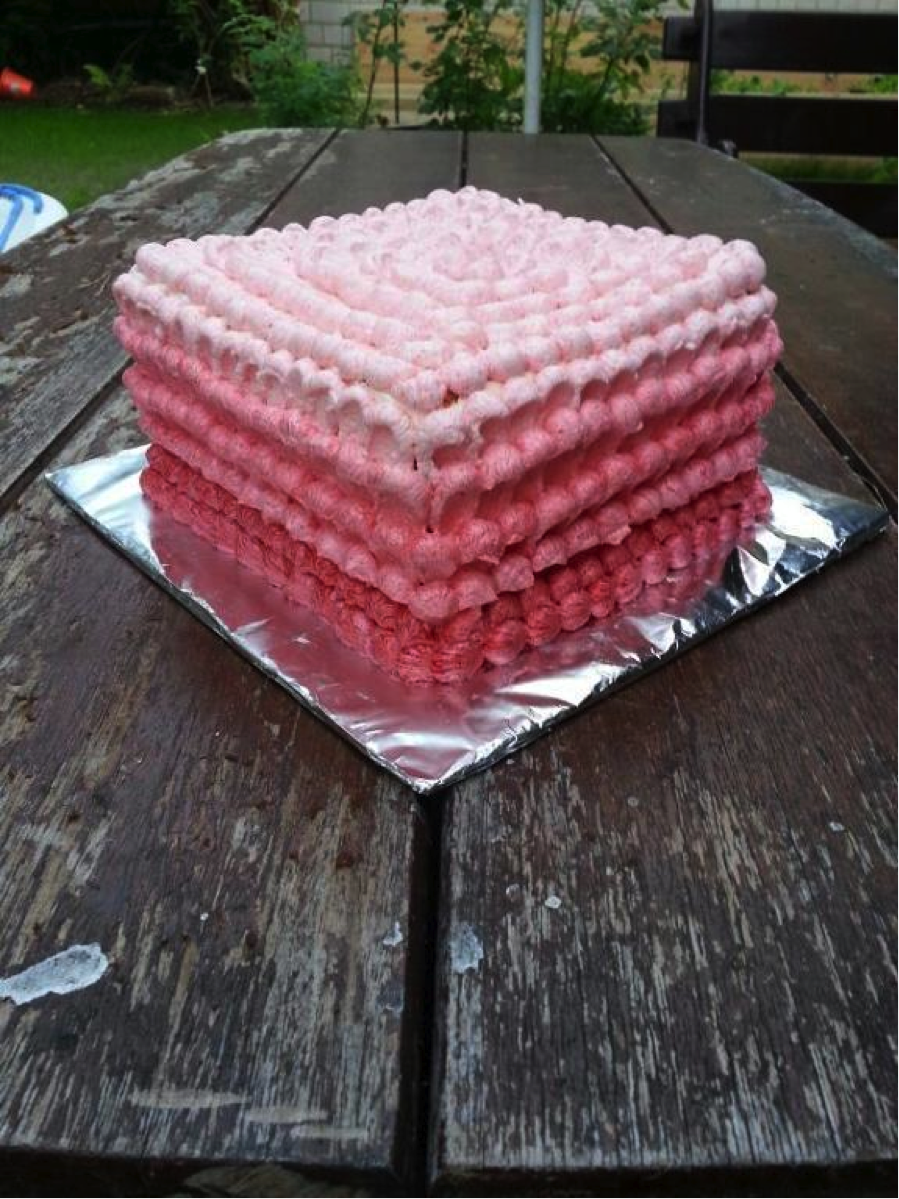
pixel 13 86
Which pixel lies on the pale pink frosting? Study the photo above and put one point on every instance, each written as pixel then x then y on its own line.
pixel 430 309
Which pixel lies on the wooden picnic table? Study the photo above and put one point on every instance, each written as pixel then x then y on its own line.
pixel 308 967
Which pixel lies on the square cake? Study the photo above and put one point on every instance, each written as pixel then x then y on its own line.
pixel 456 427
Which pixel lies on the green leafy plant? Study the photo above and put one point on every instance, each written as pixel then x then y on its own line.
pixel 615 43
pixel 596 59
pixel 381 31
pixel 736 84
pixel 225 37
pixel 290 89
pixel 203 26
pixel 270 55
pixel 97 77
pixel 563 27
pixel 875 85
pixel 110 86
pixel 474 81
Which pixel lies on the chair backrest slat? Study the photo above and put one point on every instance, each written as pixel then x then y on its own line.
pixel 826 43
pixel 863 127
pixel 858 43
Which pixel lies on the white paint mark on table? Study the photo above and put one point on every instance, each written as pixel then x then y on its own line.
pixel 73 969
pixel 310 1123
pixel 306 1125
pixel 466 950
pixel 17 285
pixel 11 368
pixel 173 1099
pixel 393 938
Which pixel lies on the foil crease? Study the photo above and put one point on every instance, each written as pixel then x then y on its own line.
pixel 433 736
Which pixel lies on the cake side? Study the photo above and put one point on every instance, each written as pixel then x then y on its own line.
pixel 443 405
pixel 595 584
pixel 495 473
pixel 473 567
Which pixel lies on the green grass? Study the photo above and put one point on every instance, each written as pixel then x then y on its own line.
pixel 77 155
pixel 842 170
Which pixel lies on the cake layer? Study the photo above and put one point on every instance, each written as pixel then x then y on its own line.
pixel 569 431
pixel 223 456
pixel 553 505
pixel 432 326
pixel 600 390
pixel 593 584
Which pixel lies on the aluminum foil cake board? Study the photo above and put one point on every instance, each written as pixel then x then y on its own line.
pixel 433 736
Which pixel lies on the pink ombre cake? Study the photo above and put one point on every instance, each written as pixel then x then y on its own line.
pixel 458 426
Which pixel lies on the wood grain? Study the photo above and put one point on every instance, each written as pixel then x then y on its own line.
pixel 667 928
pixel 247 873
pixel 708 998
pixel 568 174
pixel 836 285
pixel 714 989
pixel 259 887
pixel 372 169
pixel 57 349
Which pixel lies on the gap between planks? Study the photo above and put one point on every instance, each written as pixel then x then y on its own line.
pixel 424 1101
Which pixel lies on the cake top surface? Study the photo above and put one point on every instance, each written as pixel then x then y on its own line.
pixel 431 300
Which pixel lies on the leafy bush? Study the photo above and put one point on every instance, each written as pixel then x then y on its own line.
pixel 736 84
pixel 875 85
pixel 257 47
pixel 381 30
pixel 199 26
pixel 577 105
pixel 264 47
pixel 475 79
pixel 290 89
pixel 616 39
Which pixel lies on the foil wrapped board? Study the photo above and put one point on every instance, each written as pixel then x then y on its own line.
pixel 433 736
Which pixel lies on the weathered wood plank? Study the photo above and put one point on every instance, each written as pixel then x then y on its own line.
pixel 836 285
pixel 714 987
pixel 57 350
pixel 568 174
pixel 259 888
pixel 667 929
pixel 246 872
pixel 373 168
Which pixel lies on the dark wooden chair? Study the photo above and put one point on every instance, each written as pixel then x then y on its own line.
pixel 859 43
